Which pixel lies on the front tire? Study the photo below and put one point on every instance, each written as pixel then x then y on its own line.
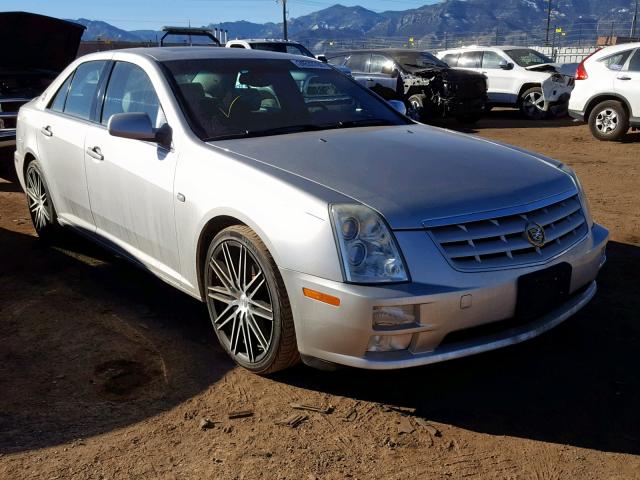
pixel 415 110
pixel 43 213
pixel 533 105
pixel 609 121
pixel 248 302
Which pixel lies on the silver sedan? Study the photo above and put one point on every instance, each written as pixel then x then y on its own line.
pixel 315 220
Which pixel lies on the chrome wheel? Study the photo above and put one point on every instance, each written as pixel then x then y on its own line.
pixel 533 104
pixel 607 121
pixel 241 303
pixel 38 198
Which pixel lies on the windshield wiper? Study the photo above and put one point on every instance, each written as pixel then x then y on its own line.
pixel 267 132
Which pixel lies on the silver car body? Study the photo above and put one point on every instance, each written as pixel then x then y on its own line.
pixel 428 184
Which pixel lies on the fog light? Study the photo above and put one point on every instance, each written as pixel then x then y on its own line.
pixel 395 316
pixel 389 343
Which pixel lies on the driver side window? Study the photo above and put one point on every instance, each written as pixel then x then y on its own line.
pixel 130 91
pixel 491 60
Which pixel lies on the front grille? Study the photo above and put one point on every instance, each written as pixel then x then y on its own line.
pixel 501 241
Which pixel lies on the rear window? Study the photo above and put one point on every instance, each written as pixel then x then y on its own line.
pixel 470 60
pixel 451 59
pixel 617 61
pixel 82 92
pixel 57 105
pixel 634 64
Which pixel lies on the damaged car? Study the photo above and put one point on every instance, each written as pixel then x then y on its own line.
pixel 41 47
pixel 518 77
pixel 429 87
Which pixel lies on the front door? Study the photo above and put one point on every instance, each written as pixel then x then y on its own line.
pixel 627 83
pixel 131 181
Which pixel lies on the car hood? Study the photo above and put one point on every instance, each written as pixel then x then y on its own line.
pixel 544 67
pixel 37 42
pixel 411 173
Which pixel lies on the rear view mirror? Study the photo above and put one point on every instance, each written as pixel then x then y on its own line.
pixel 137 126
pixel 398 106
pixel 322 58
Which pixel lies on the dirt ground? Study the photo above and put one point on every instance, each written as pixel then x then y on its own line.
pixel 105 372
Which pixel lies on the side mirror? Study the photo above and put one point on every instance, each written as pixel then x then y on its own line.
pixel 137 126
pixel 398 106
pixel 322 58
pixel 504 65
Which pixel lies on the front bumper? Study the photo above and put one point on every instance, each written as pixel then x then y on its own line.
pixel 341 334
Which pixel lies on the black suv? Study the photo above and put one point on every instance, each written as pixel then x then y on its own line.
pixel 429 88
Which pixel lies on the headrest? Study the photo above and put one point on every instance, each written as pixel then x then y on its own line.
pixel 192 90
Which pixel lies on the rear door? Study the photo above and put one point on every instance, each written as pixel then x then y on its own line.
pixel 627 83
pixel 61 142
pixel 131 181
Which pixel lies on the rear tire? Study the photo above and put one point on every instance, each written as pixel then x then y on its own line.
pixel 609 121
pixel 533 105
pixel 248 302
pixel 41 208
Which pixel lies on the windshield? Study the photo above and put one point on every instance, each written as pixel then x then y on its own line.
pixel 525 57
pixel 419 60
pixel 243 98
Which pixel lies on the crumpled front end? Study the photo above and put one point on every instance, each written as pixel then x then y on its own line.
pixel 557 89
pixel 447 92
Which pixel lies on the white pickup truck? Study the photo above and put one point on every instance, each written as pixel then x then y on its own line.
pixel 518 77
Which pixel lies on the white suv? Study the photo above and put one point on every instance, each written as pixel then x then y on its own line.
pixel 272 45
pixel 607 93
pixel 517 77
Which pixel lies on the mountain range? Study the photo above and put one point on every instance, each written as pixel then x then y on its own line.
pixel 448 18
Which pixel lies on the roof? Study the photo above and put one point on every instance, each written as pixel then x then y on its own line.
pixel 164 54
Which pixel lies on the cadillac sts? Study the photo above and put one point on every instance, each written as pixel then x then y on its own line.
pixel 317 222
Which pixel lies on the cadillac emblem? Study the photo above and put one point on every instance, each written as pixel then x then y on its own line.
pixel 535 234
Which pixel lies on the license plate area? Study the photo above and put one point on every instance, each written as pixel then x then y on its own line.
pixel 542 291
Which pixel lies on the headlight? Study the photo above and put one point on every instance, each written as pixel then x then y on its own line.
pixel 368 250
pixel 583 198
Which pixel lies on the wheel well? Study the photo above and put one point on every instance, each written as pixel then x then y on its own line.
pixel 524 88
pixel 210 230
pixel 28 158
pixel 603 98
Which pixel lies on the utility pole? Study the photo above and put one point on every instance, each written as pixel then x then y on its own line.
pixel 635 21
pixel 284 18
pixel 548 22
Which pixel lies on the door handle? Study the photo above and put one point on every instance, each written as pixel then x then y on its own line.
pixel 46 131
pixel 624 78
pixel 94 152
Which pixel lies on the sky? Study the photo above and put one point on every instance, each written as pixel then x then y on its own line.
pixel 153 14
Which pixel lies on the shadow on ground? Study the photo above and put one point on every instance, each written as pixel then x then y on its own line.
pixel 91 344
pixel 504 118
pixel 578 384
